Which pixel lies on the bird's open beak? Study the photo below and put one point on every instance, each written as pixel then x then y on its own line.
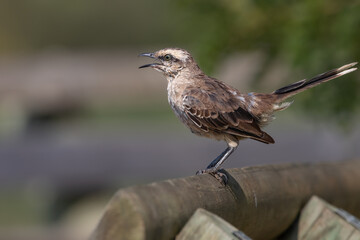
pixel 150 55
pixel 149 65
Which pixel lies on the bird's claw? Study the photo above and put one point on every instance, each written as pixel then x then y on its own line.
pixel 221 177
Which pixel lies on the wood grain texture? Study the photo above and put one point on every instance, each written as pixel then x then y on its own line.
pixel 261 201
pixel 320 221
pixel 204 225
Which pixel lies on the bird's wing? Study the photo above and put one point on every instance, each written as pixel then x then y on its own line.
pixel 220 111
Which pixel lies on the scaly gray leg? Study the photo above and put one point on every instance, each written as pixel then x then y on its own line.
pixel 215 164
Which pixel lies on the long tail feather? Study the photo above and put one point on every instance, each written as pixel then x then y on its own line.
pixel 297 87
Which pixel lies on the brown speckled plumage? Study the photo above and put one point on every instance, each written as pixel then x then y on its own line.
pixel 213 109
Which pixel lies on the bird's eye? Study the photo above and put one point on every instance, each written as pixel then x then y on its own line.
pixel 167 57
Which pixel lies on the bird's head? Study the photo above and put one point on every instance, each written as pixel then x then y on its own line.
pixel 171 61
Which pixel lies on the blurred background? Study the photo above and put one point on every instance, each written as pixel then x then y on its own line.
pixel 78 119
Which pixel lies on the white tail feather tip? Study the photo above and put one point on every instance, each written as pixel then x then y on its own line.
pixel 346 71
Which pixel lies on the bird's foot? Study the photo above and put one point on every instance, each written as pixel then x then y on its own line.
pixel 221 177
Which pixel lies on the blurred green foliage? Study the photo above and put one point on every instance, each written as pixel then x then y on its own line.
pixel 310 35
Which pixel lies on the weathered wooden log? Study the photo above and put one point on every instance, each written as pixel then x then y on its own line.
pixel 204 225
pixel 261 201
pixel 320 220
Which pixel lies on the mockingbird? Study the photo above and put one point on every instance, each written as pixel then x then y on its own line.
pixel 213 109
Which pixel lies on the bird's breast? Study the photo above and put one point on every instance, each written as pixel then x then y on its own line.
pixel 175 91
pixel 175 98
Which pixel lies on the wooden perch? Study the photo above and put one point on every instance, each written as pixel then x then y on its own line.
pixel 261 201
pixel 204 225
pixel 320 221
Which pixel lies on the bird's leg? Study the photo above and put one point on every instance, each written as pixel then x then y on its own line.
pixel 215 164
